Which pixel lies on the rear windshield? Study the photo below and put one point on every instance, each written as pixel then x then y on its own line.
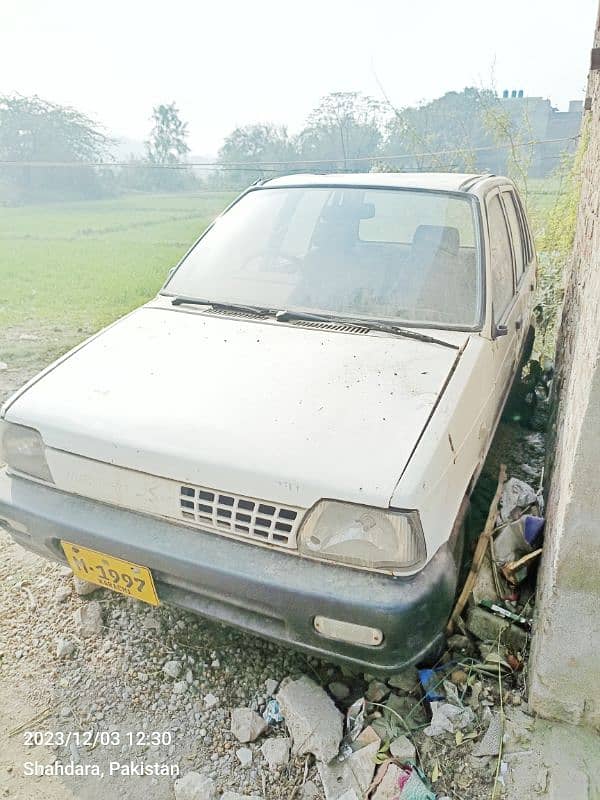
pixel 401 255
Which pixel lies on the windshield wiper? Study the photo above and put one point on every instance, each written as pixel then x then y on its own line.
pixel 197 301
pixel 371 324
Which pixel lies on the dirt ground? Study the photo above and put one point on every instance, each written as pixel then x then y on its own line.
pixel 115 681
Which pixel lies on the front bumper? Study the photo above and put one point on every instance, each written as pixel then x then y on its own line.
pixel 273 594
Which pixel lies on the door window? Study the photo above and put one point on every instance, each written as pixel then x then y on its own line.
pixel 516 231
pixel 500 258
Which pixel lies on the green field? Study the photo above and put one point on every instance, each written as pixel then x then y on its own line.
pixel 67 269
pixel 84 264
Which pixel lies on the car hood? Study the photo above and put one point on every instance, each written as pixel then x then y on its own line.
pixel 264 409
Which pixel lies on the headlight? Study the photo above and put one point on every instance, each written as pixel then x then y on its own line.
pixel 363 536
pixel 23 449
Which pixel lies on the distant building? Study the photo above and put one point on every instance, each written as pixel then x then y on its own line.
pixel 535 119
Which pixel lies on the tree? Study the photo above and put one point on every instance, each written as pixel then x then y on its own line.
pixel 262 147
pixel 165 150
pixel 167 144
pixel 344 126
pixel 454 124
pixel 34 130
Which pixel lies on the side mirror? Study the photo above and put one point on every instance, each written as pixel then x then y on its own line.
pixel 171 271
pixel 500 330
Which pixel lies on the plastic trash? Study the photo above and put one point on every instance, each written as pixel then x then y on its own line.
pixel 448 718
pixel 272 714
pixel 431 681
pixel 412 785
pixel 517 497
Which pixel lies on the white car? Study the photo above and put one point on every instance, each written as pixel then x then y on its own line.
pixel 285 438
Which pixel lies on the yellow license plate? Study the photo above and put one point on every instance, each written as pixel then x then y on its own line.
pixel 111 573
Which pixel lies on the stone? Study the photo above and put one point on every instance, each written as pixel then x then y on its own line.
pixel 309 791
pixel 389 788
pixel 354 773
pixel 312 719
pixel 64 571
pixel 459 677
pixel 489 628
pixel 339 690
pixel 235 796
pixel 271 686
pixel 88 620
pixel 83 588
pixel 350 794
pixel 403 749
pixel 194 786
pixel 210 701
pixel 460 643
pixel 244 755
pixel 62 593
pixel 179 687
pixel 247 725
pixel 64 648
pixel 407 680
pixel 376 692
pixel 3 365
pixel 276 752
pixel 172 669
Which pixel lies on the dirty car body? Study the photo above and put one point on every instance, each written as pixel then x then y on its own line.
pixel 287 434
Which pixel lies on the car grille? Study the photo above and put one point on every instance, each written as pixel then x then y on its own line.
pixel 241 516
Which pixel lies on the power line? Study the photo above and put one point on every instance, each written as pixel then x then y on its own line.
pixel 271 166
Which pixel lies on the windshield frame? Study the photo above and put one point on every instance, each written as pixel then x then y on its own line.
pixel 472 199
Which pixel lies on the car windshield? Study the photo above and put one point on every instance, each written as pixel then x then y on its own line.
pixel 408 256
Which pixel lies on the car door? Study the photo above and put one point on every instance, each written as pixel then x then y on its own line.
pixel 523 257
pixel 506 312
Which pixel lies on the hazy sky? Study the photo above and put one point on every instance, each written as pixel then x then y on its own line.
pixel 230 63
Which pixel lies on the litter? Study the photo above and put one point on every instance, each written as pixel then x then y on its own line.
pixel 492 739
pixel 517 496
pixel 430 681
pixel 409 780
pixel 500 611
pixel 448 718
pixel 272 714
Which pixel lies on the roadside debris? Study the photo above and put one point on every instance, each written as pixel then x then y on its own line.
pixel 247 725
pixel 314 722
pixel 88 619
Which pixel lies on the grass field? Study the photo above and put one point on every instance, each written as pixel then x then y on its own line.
pixel 90 262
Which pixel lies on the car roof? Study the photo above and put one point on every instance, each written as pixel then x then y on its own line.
pixel 442 181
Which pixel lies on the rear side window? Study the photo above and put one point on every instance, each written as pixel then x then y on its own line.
pixel 500 258
pixel 516 231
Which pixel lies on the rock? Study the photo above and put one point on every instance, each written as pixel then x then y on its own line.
pixel 83 588
pixel 64 571
pixel 271 686
pixel 247 725
pixel 339 690
pixel 355 773
pixel 312 719
pixel 194 786
pixel 403 749
pixel 172 669
pixel 407 680
pixel 179 687
pixel 309 791
pixel 376 692
pixel 235 796
pixel 244 755
pixel 276 752
pixel 488 627
pixel 460 643
pixel 62 593
pixel 492 739
pixel 459 677
pixel 88 620
pixel 3 365
pixel 389 788
pixel 64 648
pixel 350 794
pixel 210 701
